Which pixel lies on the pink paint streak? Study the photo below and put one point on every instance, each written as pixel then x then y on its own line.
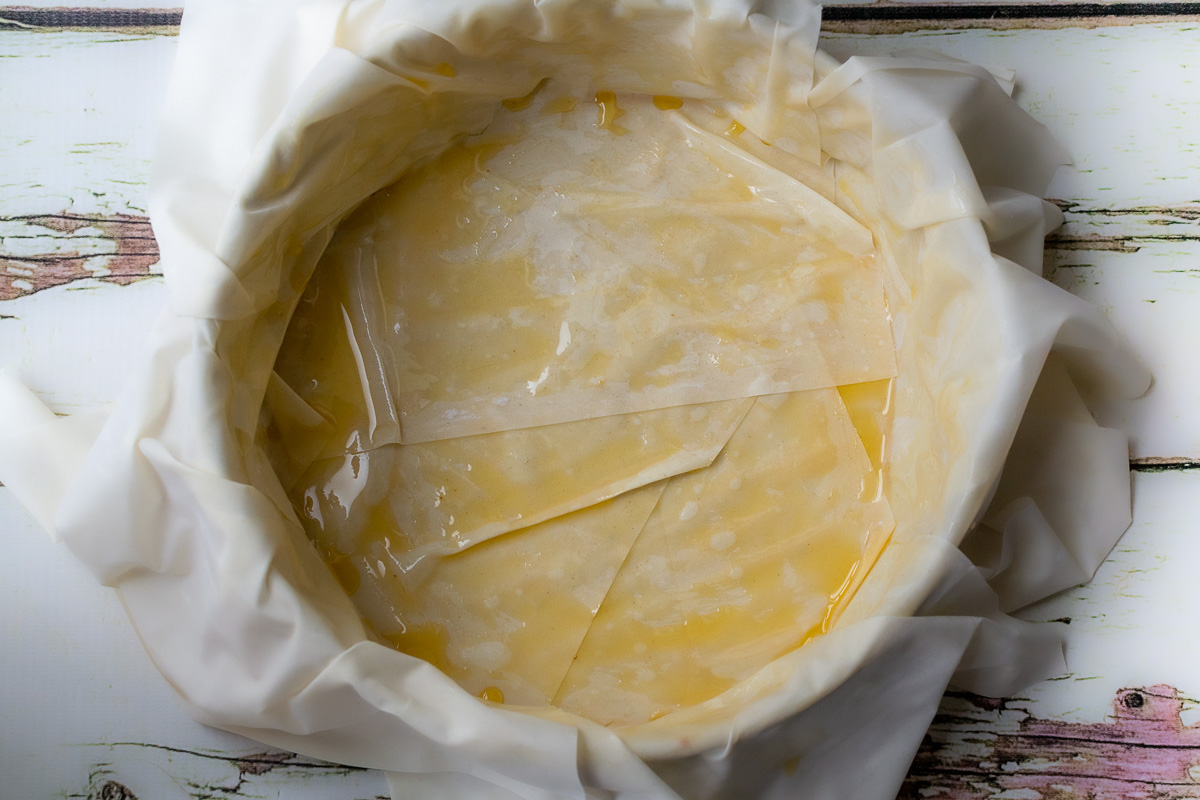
pixel 1145 753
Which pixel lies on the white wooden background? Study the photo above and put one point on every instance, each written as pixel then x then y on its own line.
pixel 83 714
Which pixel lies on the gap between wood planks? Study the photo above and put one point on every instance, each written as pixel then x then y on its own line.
pixel 879 17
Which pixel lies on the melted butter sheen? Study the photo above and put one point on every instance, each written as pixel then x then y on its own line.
pixel 608 113
pixel 492 694
pixel 444 496
pixel 523 102
pixel 507 614
pixel 739 564
pixel 637 246
pixel 623 407
pixel 870 408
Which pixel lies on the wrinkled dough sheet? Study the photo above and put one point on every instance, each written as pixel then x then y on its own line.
pixel 657 599
pixel 587 258
pixel 572 427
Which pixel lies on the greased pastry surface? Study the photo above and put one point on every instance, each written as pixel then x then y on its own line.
pixel 584 439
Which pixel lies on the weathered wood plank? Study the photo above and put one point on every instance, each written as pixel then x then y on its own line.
pixel 1122 107
pixel 160 21
pixel 1150 286
pixel 1123 229
pixel 1146 751
pixel 80 117
pixel 1129 243
pixel 976 748
pixel 1093 734
pixel 1129 625
pixel 86 714
pixel 41 251
pixel 1145 277
pixel 146 771
pixel 886 17
pixel 1163 464
pixel 76 345
pixel 89 4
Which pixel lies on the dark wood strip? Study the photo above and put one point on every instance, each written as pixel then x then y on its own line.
pixel 1124 230
pixel 879 17
pixel 1117 243
pixel 994 11
pixel 1157 215
pixel 1090 241
pixel 1160 464
pixel 885 18
pixel 164 20
pixel 894 27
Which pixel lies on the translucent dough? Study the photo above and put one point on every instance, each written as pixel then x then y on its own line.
pixel 739 564
pixel 591 391
pixel 451 494
pixel 566 272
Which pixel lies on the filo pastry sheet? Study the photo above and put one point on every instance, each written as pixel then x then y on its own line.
pixel 733 566
pixel 285 116
pixel 454 493
pixel 568 270
pixel 738 564
pixel 504 618
pixel 607 244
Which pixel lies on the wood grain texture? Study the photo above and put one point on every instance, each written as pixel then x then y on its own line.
pixel 978 748
pixel 1123 102
pixel 902 17
pixel 162 21
pixel 1130 625
pixel 41 251
pixel 147 771
pixel 79 121
pixel 1150 286
pixel 1159 464
pixel 1124 230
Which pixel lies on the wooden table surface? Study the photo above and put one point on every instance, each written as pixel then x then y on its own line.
pixel 83 713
